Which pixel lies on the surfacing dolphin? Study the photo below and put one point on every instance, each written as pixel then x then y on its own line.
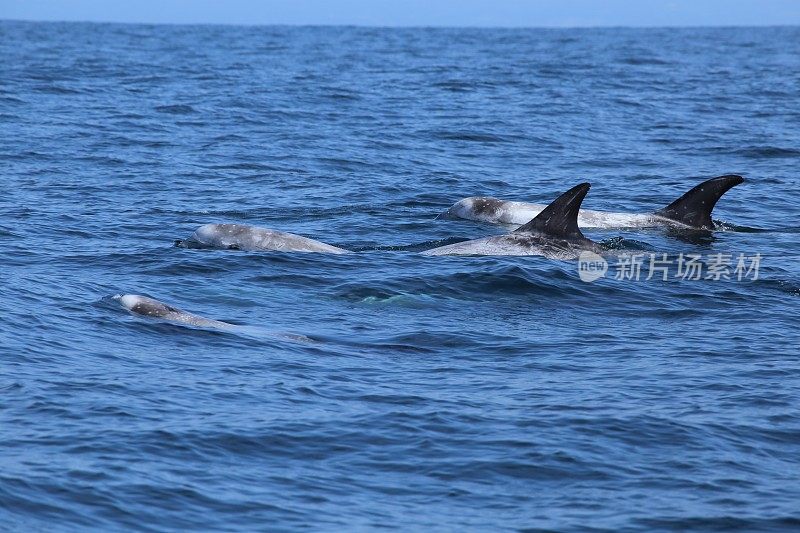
pixel 553 233
pixel 253 238
pixel 142 305
pixel 152 308
pixel 692 210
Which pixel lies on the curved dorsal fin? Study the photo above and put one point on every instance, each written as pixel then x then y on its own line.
pixel 694 208
pixel 560 218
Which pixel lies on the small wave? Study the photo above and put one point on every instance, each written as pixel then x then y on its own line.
pixel 55 89
pixel 720 225
pixel 413 301
pixel 622 243
pixel 721 523
pixel 245 166
pixel 177 109
pixel 783 286
pixel 751 152
pixel 7 233
pixel 344 164
pixel 756 152
pixel 228 137
pixel 461 86
pixel 104 160
pixel 417 247
pixel 11 100
pixel 538 278
pixel 148 143
pixel 488 138
pixel 630 103
pixel 644 61
pixel 342 96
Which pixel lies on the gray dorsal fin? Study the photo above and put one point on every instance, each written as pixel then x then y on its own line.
pixel 694 208
pixel 560 218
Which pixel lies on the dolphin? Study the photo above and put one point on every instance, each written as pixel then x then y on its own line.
pixel 253 238
pixel 149 307
pixel 692 210
pixel 553 233
pixel 142 305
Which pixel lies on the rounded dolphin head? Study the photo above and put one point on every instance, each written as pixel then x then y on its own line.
pixel 210 232
pixel 206 236
pixel 142 305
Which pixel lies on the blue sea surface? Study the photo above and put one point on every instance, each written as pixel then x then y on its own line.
pixel 436 393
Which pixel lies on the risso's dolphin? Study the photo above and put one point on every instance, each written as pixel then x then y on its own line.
pixel 253 238
pixel 553 233
pixel 692 210
pixel 149 307
pixel 142 305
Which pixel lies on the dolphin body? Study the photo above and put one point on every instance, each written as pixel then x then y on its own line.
pixel 253 238
pixel 142 305
pixel 692 210
pixel 553 233
pixel 151 308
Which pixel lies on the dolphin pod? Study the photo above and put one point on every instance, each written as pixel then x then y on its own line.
pixel 692 210
pixel 551 231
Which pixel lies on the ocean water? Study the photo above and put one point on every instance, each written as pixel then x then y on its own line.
pixel 436 393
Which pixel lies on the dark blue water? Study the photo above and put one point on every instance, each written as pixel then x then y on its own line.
pixel 440 393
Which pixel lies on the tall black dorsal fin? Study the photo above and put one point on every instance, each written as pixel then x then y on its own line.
pixel 694 208
pixel 560 218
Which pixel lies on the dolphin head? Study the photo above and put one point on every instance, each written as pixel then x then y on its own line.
pixel 142 305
